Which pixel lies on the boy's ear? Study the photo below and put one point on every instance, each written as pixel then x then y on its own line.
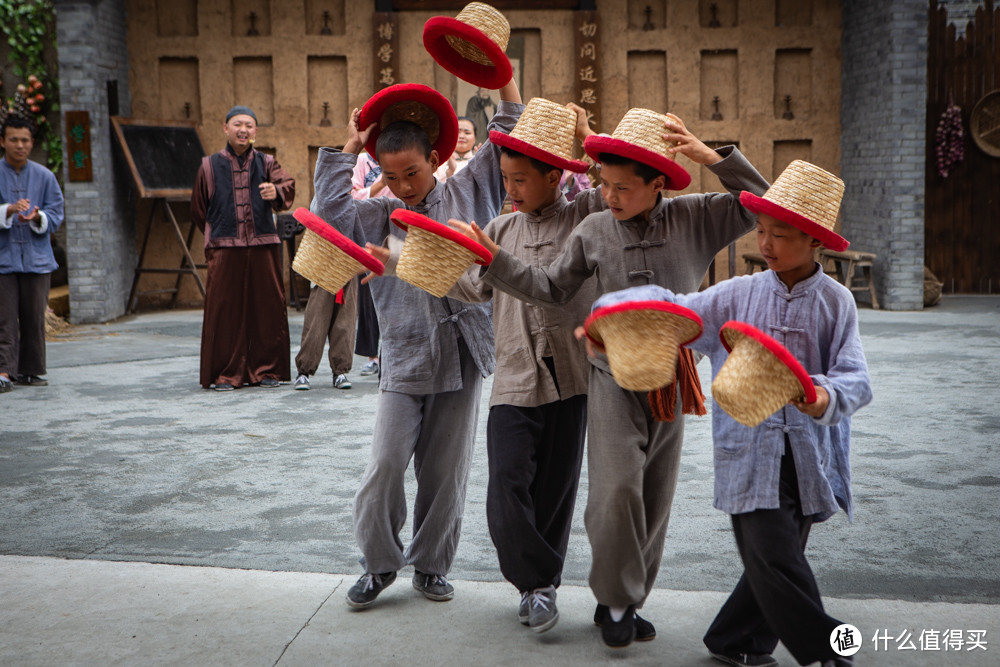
pixel 552 177
pixel 660 181
pixel 434 159
pixel 814 243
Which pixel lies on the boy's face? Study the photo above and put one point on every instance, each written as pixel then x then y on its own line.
pixel 789 251
pixel 528 189
pixel 408 174
pixel 17 144
pixel 626 194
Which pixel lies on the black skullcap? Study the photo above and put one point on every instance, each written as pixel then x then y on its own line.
pixel 241 111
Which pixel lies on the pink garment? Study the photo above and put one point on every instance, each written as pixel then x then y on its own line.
pixel 362 178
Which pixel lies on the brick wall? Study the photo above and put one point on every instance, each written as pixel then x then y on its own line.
pixel 883 107
pixel 99 221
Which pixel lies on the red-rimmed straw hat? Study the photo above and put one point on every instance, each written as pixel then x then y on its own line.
pixel 805 197
pixel 545 131
pixel 434 255
pixel 642 339
pixel 759 377
pixel 417 103
pixel 639 137
pixel 472 45
pixel 327 257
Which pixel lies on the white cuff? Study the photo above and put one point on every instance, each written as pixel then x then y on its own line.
pixel 43 223
pixel 5 222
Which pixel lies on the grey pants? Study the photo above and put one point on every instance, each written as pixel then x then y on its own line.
pixel 324 321
pixel 632 465
pixel 438 432
pixel 24 298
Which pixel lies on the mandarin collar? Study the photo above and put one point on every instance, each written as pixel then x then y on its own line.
pixel 546 211
pixel 802 286
pixel 656 214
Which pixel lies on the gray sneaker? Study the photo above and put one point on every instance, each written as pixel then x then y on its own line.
pixel 523 613
pixel 363 593
pixel 341 382
pixel 433 586
pixel 302 382
pixel 542 612
pixel 371 368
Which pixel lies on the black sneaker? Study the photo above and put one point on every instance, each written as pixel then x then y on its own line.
pixel 616 634
pixel 367 588
pixel 433 586
pixel 543 613
pixel 745 659
pixel 644 630
pixel 32 381
pixel 523 611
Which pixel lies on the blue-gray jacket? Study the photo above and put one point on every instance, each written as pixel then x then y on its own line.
pixel 25 247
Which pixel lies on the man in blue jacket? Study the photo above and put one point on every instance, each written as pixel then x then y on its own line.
pixel 31 209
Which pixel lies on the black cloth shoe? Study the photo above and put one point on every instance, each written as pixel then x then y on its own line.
pixel 32 381
pixel 745 659
pixel 616 634
pixel 367 588
pixel 644 630
pixel 270 383
pixel 223 386
pixel 433 586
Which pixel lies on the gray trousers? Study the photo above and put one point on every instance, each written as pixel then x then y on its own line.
pixel 24 297
pixel 438 432
pixel 632 465
pixel 325 321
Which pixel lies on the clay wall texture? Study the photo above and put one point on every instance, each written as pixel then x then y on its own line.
pixel 673 59
pixel 883 111
pixel 99 222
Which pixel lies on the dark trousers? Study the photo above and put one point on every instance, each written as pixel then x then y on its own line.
pixel 535 456
pixel 24 297
pixel 366 344
pixel 777 597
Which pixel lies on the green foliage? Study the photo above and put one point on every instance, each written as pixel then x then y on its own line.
pixel 29 27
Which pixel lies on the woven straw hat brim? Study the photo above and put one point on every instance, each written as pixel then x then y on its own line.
pixel 829 238
pixel 677 177
pixel 501 139
pixel 642 340
pixel 759 377
pixel 412 101
pixel 405 218
pixel 494 73
pixel 317 225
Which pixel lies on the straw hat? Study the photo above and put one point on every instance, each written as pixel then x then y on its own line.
pixel 416 103
pixel 759 377
pixel 805 197
pixel 642 339
pixel 434 256
pixel 639 137
pixel 327 257
pixel 545 132
pixel 471 46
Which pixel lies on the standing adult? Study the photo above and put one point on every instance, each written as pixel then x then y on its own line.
pixel 244 335
pixel 31 210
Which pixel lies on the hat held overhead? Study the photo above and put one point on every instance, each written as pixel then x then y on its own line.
pixel 639 137
pixel 418 104
pixel 759 377
pixel 642 340
pixel 472 45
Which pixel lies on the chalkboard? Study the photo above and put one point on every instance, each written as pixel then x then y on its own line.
pixel 162 155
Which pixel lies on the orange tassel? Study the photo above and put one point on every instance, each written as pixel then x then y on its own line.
pixel 663 400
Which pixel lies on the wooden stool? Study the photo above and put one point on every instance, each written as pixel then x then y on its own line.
pixel 754 260
pixel 846 264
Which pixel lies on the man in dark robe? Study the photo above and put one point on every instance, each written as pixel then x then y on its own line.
pixel 244 335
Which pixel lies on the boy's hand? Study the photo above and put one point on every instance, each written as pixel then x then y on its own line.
pixel 580 332
pixel 356 137
pixel 31 216
pixel 583 129
pixel 381 253
pixel 814 409
pixel 686 143
pixel 18 206
pixel 473 232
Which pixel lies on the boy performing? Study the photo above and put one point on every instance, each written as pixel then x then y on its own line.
pixel 435 351
pixel 643 239
pixel 538 410
pixel 792 470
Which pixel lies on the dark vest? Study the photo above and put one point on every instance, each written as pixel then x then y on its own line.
pixel 236 197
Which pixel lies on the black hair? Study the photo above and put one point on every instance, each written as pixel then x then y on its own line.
pixel 643 171
pixel 400 136
pixel 466 118
pixel 541 167
pixel 17 121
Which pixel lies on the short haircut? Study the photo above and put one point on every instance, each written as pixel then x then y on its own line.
pixel 643 171
pixel 17 121
pixel 400 136
pixel 541 167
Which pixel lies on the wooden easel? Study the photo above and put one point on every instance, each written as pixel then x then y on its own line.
pixel 163 158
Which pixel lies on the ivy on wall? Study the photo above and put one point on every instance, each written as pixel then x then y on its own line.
pixel 29 28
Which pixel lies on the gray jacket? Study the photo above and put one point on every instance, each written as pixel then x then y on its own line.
pixel 420 332
pixel 683 235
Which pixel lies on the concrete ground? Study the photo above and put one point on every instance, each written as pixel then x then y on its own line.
pixel 123 473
